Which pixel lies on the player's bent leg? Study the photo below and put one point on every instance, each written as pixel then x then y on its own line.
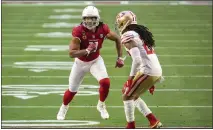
pixel 75 79
pixel 98 70
pixel 68 96
pixel 143 108
pixel 136 85
pixel 104 89
pixel 103 93
pixel 144 85
pixel 129 110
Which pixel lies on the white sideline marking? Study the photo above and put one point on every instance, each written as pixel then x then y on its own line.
pixel 103 55
pixel 107 106
pixel 193 76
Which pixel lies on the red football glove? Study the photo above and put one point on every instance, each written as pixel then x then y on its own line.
pixel 119 63
pixel 152 89
pixel 91 48
pixel 127 87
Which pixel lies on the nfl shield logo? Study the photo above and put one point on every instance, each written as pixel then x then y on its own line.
pixel 101 35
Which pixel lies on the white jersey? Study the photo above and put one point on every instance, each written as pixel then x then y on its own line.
pixel 150 64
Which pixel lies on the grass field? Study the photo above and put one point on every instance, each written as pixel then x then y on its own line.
pixel 35 67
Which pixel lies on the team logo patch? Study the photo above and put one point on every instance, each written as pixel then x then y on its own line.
pixel 93 36
pixel 101 35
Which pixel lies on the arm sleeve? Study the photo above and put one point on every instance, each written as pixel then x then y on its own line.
pixel 127 37
pixel 136 60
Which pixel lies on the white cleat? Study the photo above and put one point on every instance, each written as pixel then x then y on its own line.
pixel 62 112
pixel 101 107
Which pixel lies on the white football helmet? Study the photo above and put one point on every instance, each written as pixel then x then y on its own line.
pixel 90 17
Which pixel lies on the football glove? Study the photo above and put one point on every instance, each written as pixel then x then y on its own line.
pixel 91 48
pixel 152 89
pixel 119 63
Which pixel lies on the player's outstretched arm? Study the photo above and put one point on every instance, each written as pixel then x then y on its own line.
pixel 74 48
pixel 114 37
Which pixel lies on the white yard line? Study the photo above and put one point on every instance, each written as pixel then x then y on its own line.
pixel 111 65
pixel 196 21
pixel 109 3
pixel 68 10
pixel 107 106
pixel 79 17
pixel 179 41
pixel 175 90
pixel 103 55
pixel 109 48
pixel 66 77
pixel 65 27
pixel 156 34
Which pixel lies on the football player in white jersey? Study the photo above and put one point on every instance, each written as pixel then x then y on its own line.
pixel 145 70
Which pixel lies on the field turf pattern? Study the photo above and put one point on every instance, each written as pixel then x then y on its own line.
pixel 183 37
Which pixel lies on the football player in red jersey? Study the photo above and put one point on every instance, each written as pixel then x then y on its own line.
pixel 87 40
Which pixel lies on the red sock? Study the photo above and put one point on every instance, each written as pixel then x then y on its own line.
pixel 152 119
pixel 131 125
pixel 68 96
pixel 104 89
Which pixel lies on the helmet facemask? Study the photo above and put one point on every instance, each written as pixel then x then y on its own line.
pixel 120 25
pixel 90 22
pixel 124 19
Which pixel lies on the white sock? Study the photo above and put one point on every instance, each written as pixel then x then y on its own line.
pixel 142 107
pixel 100 102
pixel 129 110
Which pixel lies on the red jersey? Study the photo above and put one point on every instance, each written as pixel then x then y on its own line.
pixel 87 37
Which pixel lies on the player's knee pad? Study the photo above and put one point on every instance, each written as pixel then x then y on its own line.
pixel 105 83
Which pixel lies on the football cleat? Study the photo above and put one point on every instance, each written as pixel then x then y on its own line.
pixel 101 107
pixel 156 125
pixel 62 112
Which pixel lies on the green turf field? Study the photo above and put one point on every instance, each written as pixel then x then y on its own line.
pixel 35 67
